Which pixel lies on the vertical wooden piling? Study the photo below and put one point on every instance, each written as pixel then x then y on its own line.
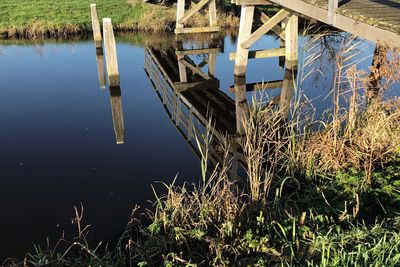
pixel 212 59
pixel 117 114
pixel 288 87
pixel 246 23
pixel 212 13
pixel 291 42
pixel 180 12
pixel 100 68
pixel 182 69
pixel 111 53
pixel 95 26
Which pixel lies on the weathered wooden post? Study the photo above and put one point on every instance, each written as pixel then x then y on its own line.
pixel 242 53
pixel 117 114
pixel 240 103
pixel 95 26
pixel 332 8
pixel 111 53
pixel 291 42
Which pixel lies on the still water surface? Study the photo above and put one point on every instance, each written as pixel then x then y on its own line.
pixel 58 145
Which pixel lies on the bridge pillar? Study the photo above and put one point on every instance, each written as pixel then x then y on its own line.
pixel 242 54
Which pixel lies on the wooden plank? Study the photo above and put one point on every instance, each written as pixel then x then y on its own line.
pixel 252 2
pixel 197 51
pixel 192 11
pixel 278 17
pixel 117 114
pixel 274 52
pixel 246 23
pixel 332 8
pixel 111 53
pixel 197 30
pixel 276 29
pixel 260 86
pixel 342 22
pixel 95 26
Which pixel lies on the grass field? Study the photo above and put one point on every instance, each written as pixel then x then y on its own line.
pixel 45 18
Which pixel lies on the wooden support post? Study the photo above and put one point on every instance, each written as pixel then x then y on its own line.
pixel 375 78
pixel 180 12
pixel 212 13
pixel 332 8
pixel 117 114
pixel 95 26
pixel 100 68
pixel 246 23
pixel 111 53
pixel 291 40
pixel 282 44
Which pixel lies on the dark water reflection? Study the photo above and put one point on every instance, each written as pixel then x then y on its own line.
pixel 66 139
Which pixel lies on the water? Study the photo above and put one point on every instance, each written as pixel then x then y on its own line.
pixel 58 143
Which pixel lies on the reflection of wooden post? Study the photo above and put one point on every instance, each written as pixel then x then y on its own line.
pixel 182 69
pixel 291 42
pixel 375 75
pixel 111 53
pixel 240 103
pixel 246 23
pixel 95 26
pixel 100 68
pixel 117 114
pixel 287 90
pixel 212 59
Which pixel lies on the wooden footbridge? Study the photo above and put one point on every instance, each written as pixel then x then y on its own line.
pixel 374 20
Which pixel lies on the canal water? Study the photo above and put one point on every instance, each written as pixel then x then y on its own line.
pixel 59 129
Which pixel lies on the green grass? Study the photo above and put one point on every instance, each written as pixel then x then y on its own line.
pixel 49 17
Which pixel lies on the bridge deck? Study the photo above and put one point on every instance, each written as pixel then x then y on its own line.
pixel 375 20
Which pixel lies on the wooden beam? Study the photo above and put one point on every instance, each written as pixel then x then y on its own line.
pixel 252 2
pixel 111 53
pixel 196 30
pixel 192 11
pixel 341 22
pixel 278 17
pixel 197 51
pixel 260 86
pixel 95 26
pixel 276 29
pixel 274 52
pixel 246 23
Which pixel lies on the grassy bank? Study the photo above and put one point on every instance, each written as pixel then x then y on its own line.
pixel 46 18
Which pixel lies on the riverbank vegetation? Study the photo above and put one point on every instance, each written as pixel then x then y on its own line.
pixel 45 18
pixel 319 191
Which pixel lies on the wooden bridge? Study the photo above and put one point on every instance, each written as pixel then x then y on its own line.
pixel 374 20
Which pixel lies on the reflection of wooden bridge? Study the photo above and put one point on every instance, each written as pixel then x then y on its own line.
pixel 192 99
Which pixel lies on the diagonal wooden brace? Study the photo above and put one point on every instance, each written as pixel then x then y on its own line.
pixel 193 10
pixel 276 29
pixel 278 17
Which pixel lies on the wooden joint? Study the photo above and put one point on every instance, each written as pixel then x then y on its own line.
pixel 193 11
